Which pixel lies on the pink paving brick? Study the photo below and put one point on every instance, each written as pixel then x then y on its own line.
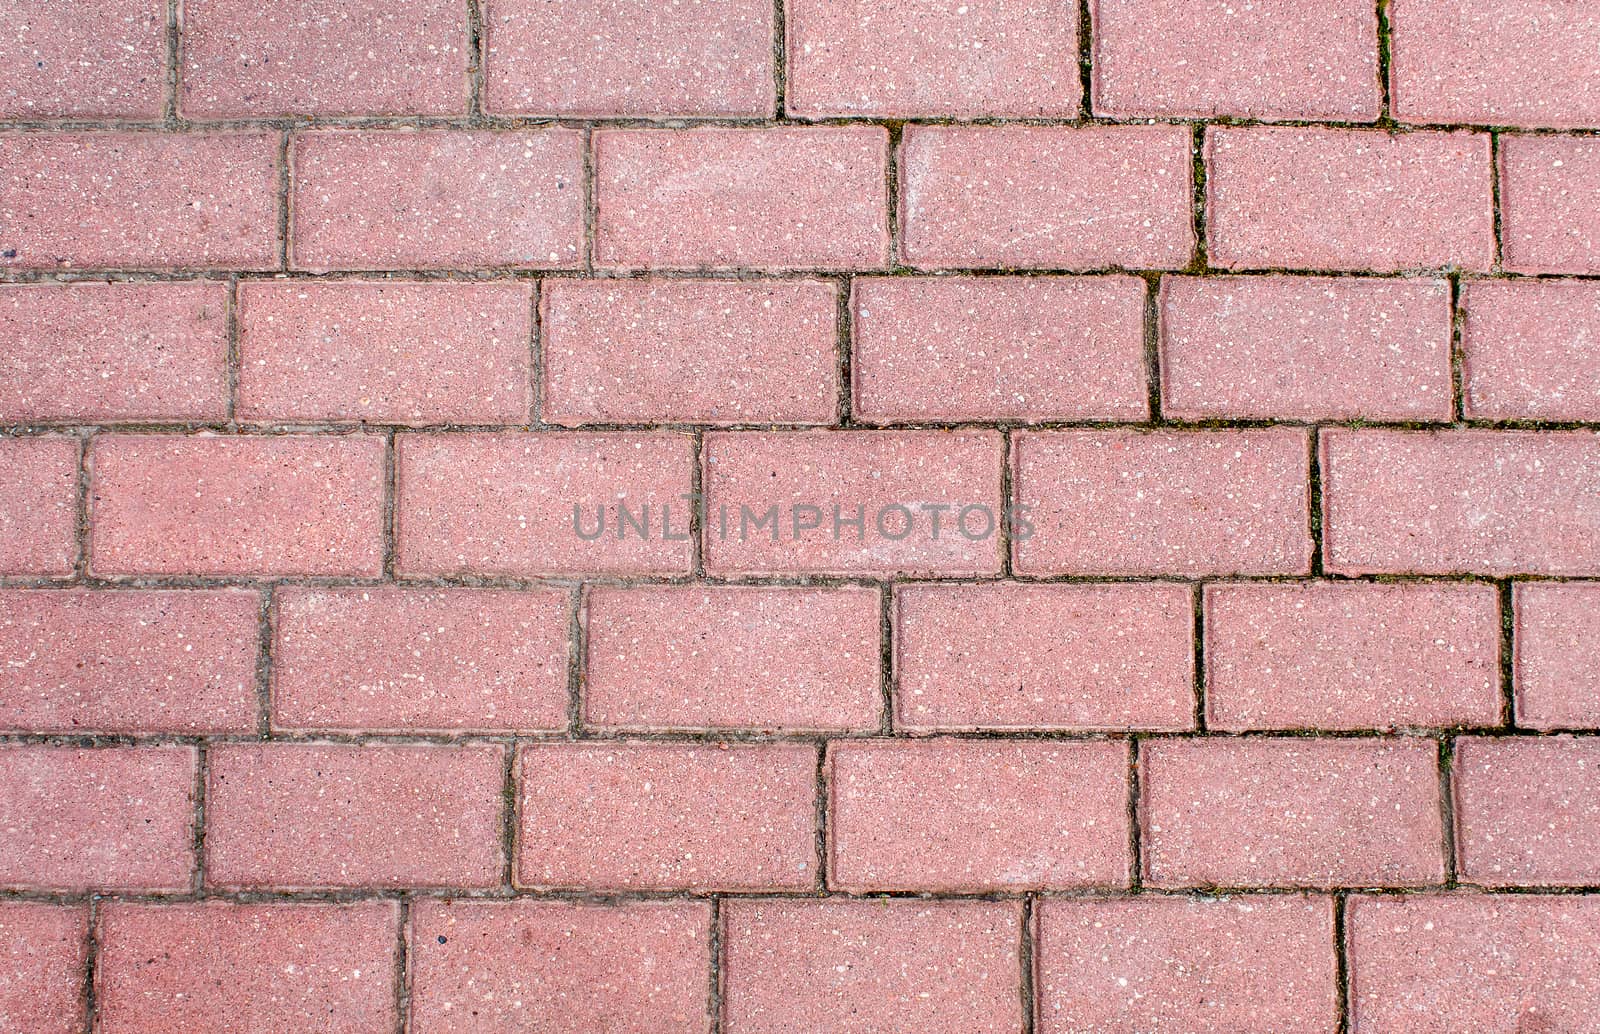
pixel 887 502
pixel 80 660
pixel 1046 197
pixel 1291 812
pixel 1261 964
pixel 1531 349
pixel 1027 815
pixel 1021 657
pixel 43 952
pixel 100 60
pixel 1550 203
pixel 781 198
pixel 618 57
pixel 110 352
pixel 437 199
pixel 907 60
pixel 480 967
pixel 527 504
pixel 308 815
pixel 1528 810
pixel 38 505
pixel 999 348
pixel 109 818
pixel 706 351
pixel 1480 962
pixel 1336 655
pixel 861 967
pixel 242 59
pixel 1476 502
pixel 1275 59
pixel 1495 62
pixel 1556 670
pixel 667 816
pixel 1165 502
pixel 139 200
pixel 409 660
pixel 296 504
pixel 385 353
pixel 1348 199
pixel 263 967
pixel 697 657
pixel 1305 348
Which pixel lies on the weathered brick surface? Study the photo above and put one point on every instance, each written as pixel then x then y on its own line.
pixel 38 508
pixel 43 949
pixel 1529 810
pixel 1531 349
pixel 100 60
pixel 1550 203
pixel 1556 666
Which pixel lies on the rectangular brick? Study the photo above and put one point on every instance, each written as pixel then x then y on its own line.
pixel 1046 197
pixel 560 967
pixel 287 505
pixel 385 352
pixel 1342 655
pixel 1028 815
pixel 923 502
pixel 38 505
pixel 110 352
pixel 1348 199
pixel 935 967
pixel 782 198
pixel 667 816
pixel 311 815
pixel 999 348
pixel 701 351
pixel 1242 963
pixel 703 657
pixel 80 660
pixel 121 200
pixel 1188 503
pixel 1474 502
pixel 1305 348
pixel 1291 812
pixel 1531 349
pixel 1024 657
pixel 529 504
pixel 1528 810
pixel 411 660
pixel 250 967
pixel 43 954
pixel 437 199
pixel 100 60
pixel 1550 204
pixel 98 818
pixel 1556 666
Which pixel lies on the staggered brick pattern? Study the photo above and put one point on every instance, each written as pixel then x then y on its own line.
pixel 751 517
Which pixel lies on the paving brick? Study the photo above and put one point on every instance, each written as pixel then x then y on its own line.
pixel 699 657
pixel 1275 59
pixel 907 60
pixel 1029 815
pixel 251 967
pixel 1046 196
pixel 560 967
pixel 1337 655
pixel 1478 502
pixel 385 352
pixel 999 348
pixel 80 660
pixel 1305 348
pixel 1291 812
pixel 109 352
pixel 1531 349
pixel 172 504
pixel 860 967
pixel 437 199
pixel 1481 962
pixel 243 60
pixel 112 818
pixel 101 60
pixel 780 198
pixel 702 351
pixel 1550 204
pixel 1247 963
pixel 1556 670
pixel 307 815
pixel 1348 199
pixel 38 505
pixel 88 200
pixel 43 952
pixel 1022 657
pixel 1165 502
pixel 667 816
pixel 409 660
pixel 526 504
pixel 615 58
pixel 1528 810
pixel 922 502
